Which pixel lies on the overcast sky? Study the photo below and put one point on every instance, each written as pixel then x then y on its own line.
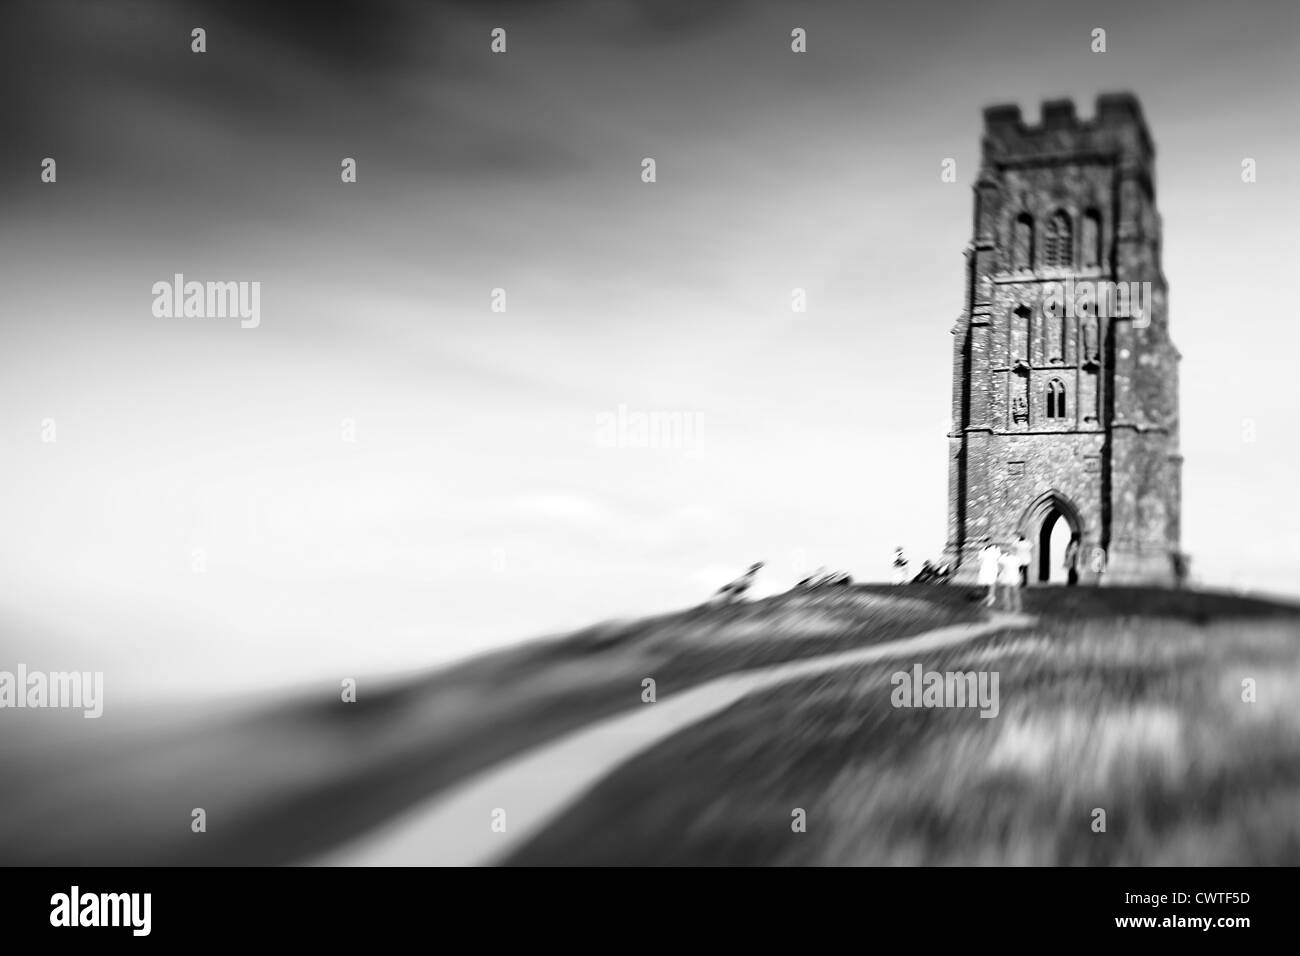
pixel 476 505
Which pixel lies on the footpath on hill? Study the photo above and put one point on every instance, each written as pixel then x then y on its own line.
pixel 524 794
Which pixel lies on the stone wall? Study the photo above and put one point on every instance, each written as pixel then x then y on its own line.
pixel 1071 412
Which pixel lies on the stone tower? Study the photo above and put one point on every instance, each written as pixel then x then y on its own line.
pixel 1065 380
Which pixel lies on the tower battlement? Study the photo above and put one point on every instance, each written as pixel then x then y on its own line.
pixel 1117 128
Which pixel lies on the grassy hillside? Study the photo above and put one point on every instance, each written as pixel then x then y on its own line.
pixel 282 782
pixel 1122 699
pixel 1126 700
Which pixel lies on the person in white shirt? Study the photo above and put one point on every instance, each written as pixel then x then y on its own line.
pixel 1098 564
pixel 988 572
pixel 1009 581
pixel 1024 555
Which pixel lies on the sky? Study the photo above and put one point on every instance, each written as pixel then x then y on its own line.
pixel 201 524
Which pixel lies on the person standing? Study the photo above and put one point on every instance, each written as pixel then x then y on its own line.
pixel 735 590
pixel 1024 555
pixel 988 572
pixel 1098 564
pixel 1071 562
pixel 1009 581
pixel 900 566
pixel 1180 569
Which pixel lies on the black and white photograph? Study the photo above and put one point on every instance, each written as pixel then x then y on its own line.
pixel 649 434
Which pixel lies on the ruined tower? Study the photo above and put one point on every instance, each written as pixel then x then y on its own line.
pixel 1065 379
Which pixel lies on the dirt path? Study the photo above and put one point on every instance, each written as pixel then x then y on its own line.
pixel 456 827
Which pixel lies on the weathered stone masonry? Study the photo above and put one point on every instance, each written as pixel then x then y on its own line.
pixel 1071 417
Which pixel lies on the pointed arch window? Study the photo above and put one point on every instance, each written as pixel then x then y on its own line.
pixel 1058 243
pixel 1056 399
pixel 1022 246
pixel 1091 239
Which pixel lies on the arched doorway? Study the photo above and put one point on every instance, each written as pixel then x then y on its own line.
pixel 1053 539
pixel 1049 524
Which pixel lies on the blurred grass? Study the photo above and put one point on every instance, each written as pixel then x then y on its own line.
pixel 283 781
pixel 1127 700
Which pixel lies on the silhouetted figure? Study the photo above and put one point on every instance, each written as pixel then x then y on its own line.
pixel 1071 563
pixel 927 574
pixel 822 578
pixel 735 590
pixel 812 579
pixel 900 566
pixel 1181 568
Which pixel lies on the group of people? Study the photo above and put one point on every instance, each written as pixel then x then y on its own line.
pixel 930 572
pixel 1005 573
pixel 733 592
pixel 821 578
